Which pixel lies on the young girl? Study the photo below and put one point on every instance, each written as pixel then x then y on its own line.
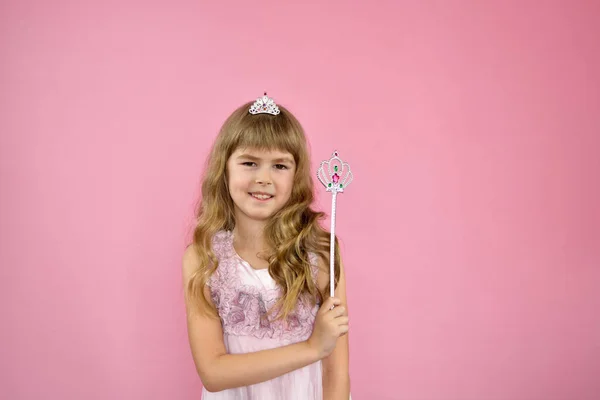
pixel 261 324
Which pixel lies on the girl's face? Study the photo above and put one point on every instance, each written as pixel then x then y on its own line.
pixel 260 182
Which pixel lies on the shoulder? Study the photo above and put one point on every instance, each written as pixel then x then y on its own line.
pixel 321 271
pixel 190 261
pixel 221 236
pixel 195 257
pixel 322 277
pixel 222 244
pixel 315 263
pixel 191 255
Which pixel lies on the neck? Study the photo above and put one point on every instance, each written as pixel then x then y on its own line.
pixel 249 235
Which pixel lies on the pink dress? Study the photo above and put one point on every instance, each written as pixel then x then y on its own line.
pixel 242 296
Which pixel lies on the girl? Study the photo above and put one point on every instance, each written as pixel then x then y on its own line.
pixel 260 322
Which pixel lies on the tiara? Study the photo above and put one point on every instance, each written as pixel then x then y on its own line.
pixel 264 105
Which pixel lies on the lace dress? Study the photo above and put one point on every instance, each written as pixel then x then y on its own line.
pixel 242 296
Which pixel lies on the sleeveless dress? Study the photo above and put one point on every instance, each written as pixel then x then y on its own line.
pixel 242 296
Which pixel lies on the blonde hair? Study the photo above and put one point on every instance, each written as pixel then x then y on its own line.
pixel 292 232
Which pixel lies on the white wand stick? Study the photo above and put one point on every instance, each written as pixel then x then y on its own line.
pixel 335 175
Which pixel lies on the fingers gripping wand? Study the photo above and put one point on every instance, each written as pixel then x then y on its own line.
pixel 335 175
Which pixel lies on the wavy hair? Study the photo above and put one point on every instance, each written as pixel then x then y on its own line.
pixel 291 233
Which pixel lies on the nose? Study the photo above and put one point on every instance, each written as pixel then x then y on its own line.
pixel 263 177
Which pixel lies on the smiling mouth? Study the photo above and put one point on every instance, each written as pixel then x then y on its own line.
pixel 261 196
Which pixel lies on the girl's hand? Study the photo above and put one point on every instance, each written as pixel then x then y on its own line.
pixel 329 325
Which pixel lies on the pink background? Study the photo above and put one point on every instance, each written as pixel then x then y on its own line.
pixel 471 234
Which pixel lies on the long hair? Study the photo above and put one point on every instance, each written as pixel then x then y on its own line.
pixel 292 232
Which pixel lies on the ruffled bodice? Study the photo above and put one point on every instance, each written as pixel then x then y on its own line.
pixel 243 295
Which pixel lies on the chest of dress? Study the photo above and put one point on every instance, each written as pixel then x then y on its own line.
pixel 246 298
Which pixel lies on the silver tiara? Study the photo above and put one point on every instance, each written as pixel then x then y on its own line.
pixel 264 105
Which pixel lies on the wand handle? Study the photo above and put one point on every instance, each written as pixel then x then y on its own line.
pixel 332 247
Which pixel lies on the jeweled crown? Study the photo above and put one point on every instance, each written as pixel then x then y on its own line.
pixel 335 174
pixel 264 105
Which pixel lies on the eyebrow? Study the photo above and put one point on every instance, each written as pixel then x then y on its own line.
pixel 254 158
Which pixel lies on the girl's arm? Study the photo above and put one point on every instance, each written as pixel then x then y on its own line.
pixel 219 370
pixel 336 378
